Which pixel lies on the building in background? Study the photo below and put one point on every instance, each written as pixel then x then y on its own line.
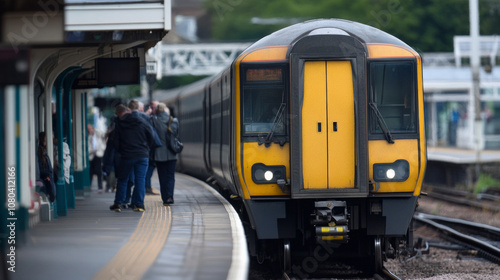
pixel 449 103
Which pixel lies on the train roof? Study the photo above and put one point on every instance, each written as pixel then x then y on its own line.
pixel 172 94
pixel 364 33
pixel 288 36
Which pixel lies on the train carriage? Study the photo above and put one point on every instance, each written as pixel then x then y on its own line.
pixel 316 133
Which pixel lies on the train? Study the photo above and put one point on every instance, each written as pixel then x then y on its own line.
pixel 315 134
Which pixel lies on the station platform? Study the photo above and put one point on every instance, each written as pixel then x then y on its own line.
pixel 198 237
pixel 462 156
pixel 460 168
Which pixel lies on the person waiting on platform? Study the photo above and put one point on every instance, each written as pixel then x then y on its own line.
pixel 165 158
pixel 110 163
pixel 137 108
pixel 97 146
pixel 66 160
pixel 109 159
pixel 151 112
pixel 45 168
pixel 133 140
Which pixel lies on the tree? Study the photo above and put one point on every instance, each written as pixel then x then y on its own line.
pixel 427 25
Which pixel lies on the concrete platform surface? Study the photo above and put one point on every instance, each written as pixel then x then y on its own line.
pixel 198 237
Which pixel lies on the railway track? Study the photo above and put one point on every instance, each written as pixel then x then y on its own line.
pixel 483 239
pixel 385 274
pixel 483 201
pixel 325 271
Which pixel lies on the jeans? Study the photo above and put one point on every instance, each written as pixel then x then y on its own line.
pixel 130 183
pixel 151 168
pixel 166 175
pixel 139 167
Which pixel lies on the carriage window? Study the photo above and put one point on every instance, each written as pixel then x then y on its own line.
pixel 393 97
pixel 263 111
pixel 264 102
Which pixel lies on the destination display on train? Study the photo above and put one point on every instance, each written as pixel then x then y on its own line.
pixel 268 74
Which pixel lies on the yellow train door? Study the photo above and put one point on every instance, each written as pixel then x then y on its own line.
pixel 328 125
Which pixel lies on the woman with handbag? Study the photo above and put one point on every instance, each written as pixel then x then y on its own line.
pixel 165 158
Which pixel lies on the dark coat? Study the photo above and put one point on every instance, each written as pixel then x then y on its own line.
pixel 149 120
pixel 133 137
pixel 160 123
pixel 47 172
pixel 108 160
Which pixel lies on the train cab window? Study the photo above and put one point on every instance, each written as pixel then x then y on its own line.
pixel 393 98
pixel 264 103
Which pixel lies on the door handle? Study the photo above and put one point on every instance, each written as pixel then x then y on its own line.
pixel 319 127
pixel 334 126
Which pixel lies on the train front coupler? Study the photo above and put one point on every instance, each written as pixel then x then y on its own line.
pixel 330 220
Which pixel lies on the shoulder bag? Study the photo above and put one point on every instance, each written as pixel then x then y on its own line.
pixel 174 144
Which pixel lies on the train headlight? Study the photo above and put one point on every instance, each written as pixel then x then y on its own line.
pixel 390 173
pixel 267 174
pixel 397 171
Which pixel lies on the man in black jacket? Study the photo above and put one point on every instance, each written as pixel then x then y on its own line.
pixel 137 107
pixel 133 140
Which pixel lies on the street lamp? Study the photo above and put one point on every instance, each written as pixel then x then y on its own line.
pixel 475 65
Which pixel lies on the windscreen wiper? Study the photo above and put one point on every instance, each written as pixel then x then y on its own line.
pixel 277 119
pixel 382 124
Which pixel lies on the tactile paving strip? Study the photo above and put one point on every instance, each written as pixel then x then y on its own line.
pixel 142 248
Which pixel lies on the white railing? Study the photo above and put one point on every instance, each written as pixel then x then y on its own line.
pixel 438 59
pixel 489 46
pixel 194 59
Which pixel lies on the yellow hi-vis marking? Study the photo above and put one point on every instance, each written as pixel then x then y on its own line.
pixel 141 250
pixel 332 229
pixel 332 237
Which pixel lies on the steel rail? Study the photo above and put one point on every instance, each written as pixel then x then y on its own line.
pixel 476 226
pixel 489 251
pixel 463 201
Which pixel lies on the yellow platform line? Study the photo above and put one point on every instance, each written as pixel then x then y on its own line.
pixel 143 247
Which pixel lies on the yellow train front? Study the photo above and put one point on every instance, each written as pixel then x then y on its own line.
pixel 317 133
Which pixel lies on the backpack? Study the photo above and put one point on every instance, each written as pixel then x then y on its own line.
pixel 173 142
